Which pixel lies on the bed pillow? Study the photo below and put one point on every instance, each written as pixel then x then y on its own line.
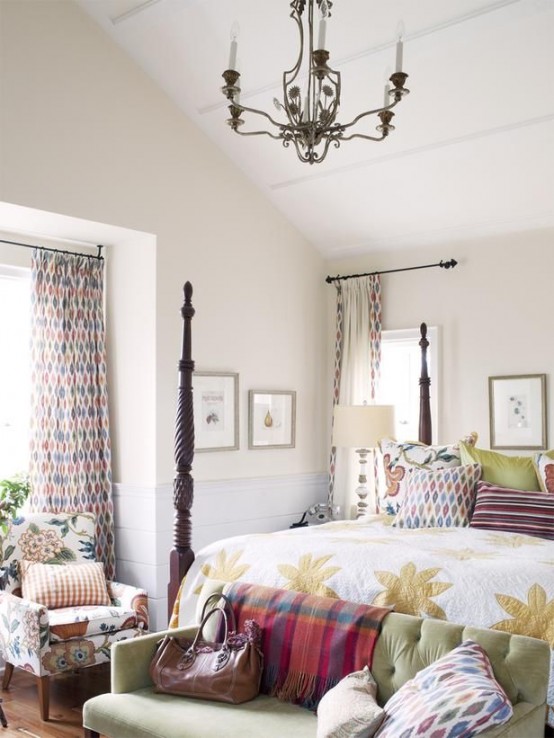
pixel 513 511
pixel 515 472
pixel 398 459
pixel 544 467
pixel 443 498
pixel 455 696
pixel 64 585
pixel 350 709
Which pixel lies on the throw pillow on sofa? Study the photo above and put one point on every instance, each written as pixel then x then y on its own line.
pixel 350 709
pixel 455 696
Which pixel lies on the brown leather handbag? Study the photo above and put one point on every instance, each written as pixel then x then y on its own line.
pixel 226 671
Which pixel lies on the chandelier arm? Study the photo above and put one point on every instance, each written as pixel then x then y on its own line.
pixel 258 133
pixel 364 136
pixel 261 112
pixel 367 113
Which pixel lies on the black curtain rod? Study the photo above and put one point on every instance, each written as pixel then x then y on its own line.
pixel 443 264
pixel 58 251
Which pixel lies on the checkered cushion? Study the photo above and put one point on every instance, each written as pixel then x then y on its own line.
pixel 64 585
pixel 455 696
pixel 439 499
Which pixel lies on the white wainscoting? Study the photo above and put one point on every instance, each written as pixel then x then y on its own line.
pixel 223 508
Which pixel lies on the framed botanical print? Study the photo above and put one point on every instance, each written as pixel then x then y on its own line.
pixel 272 419
pixel 517 411
pixel 216 411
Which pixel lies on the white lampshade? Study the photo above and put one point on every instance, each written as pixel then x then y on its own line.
pixel 362 426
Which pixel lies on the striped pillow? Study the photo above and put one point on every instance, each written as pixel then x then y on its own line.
pixel 514 511
pixel 64 585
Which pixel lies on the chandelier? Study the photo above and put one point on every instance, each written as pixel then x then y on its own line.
pixel 311 93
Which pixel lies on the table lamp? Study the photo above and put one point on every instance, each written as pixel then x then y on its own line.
pixel 362 427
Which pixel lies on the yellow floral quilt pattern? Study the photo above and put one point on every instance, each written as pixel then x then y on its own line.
pixel 490 580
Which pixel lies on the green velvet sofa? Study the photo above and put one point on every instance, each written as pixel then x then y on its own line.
pixel 406 645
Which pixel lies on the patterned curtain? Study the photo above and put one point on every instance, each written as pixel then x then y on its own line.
pixel 357 348
pixel 70 467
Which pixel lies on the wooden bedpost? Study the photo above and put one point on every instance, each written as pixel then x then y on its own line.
pixel 182 556
pixel 425 427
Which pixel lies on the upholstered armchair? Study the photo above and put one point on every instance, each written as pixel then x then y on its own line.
pixel 46 641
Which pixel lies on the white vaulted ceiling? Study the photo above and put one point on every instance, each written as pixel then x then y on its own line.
pixel 473 150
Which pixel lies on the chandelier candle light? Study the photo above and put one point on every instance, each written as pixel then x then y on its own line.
pixel 311 111
pixel 362 427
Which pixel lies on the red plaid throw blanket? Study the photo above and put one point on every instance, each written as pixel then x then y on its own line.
pixel 309 643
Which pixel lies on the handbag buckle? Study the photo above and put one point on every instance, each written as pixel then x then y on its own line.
pixel 186 660
pixel 222 658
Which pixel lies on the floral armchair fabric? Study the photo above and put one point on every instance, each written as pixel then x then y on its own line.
pixel 46 642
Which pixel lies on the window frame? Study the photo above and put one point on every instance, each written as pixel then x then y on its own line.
pixel 412 336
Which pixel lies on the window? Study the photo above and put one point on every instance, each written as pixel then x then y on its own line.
pixel 15 384
pixel 399 383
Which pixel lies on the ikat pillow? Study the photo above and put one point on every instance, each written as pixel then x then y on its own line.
pixel 350 709
pixel 439 499
pixel 455 696
pixel 396 460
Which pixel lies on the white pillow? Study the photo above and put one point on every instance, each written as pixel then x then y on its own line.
pixel 350 709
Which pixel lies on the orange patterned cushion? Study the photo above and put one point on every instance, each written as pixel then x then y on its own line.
pixel 64 585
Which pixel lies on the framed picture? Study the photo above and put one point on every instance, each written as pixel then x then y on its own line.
pixel 517 407
pixel 272 419
pixel 216 411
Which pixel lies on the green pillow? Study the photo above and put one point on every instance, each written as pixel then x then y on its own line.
pixel 515 472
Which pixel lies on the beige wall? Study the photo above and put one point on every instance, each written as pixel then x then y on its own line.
pixel 85 133
pixel 89 145
pixel 493 310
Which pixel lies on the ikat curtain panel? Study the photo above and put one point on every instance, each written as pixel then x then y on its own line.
pixel 357 349
pixel 70 466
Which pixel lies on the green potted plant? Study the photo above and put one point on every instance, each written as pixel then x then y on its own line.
pixel 13 493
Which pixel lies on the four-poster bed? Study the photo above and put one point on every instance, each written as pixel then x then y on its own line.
pixel 182 555
pixel 466 575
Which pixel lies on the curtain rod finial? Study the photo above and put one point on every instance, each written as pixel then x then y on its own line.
pixel 448 264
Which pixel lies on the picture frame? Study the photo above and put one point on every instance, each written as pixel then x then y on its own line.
pixel 216 411
pixel 517 412
pixel 271 419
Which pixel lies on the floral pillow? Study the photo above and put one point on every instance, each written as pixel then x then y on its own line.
pixel 544 466
pixel 398 459
pixel 443 498
pixel 455 696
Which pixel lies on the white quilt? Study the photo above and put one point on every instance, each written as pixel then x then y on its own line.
pixel 494 580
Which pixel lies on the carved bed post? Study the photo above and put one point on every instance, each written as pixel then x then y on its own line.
pixel 425 428
pixel 182 556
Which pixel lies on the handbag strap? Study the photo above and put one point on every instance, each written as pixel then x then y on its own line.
pixel 226 608
pixel 226 612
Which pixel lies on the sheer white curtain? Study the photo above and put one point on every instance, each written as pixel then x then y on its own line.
pixel 357 361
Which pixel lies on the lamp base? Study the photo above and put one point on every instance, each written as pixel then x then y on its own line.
pixel 361 490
